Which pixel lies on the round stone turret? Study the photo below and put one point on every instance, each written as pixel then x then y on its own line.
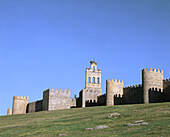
pixel 151 78
pixel 113 87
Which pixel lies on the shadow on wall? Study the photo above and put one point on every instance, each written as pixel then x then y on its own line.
pixel 118 100
pixel 167 93
pixel 34 106
pixel 155 95
pixel 131 95
pixel 167 89
pixel 79 100
pixel 91 103
pixel 101 101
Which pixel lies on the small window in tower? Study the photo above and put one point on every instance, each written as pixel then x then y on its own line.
pixel 89 80
pixel 93 68
pixel 93 80
pixel 97 80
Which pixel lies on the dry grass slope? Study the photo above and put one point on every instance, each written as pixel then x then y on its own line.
pixel 73 122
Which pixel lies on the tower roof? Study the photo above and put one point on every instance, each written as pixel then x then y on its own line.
pixel 93 62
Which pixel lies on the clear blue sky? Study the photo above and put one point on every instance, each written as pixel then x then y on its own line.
pixel 49 43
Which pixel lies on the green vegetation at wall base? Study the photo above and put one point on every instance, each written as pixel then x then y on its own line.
pixel 73 122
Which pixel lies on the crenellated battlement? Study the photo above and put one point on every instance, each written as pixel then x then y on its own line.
pixel 118 95
pixel 153 70
pixel 21 97
pixel 61 90
pixel 134 86
pixel 58 90
pixel 114 81
pixel 166 80
pixel 155 89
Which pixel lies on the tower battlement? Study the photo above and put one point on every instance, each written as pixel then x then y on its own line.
pixel 114 81
pixel 153 70
pixel 21 98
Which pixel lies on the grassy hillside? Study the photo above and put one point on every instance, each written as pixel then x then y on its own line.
pixel 73 122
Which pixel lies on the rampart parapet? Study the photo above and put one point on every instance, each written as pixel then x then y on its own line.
pixel 166 80
pixel 134 86
pixel 58 90
pixel 155 89
pixel 118 95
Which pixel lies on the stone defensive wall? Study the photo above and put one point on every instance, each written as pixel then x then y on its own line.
pixel 133 94
pixel 167 89
pixel 73 102
pixel 101 100
pixel 153 89
pixel 55 99
pixel 151 78
pixel 156 95
pixel 118 99
pixel 79 99
pixel 166 83
pixel 113 87
pixel 90 103
pixel 35 106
